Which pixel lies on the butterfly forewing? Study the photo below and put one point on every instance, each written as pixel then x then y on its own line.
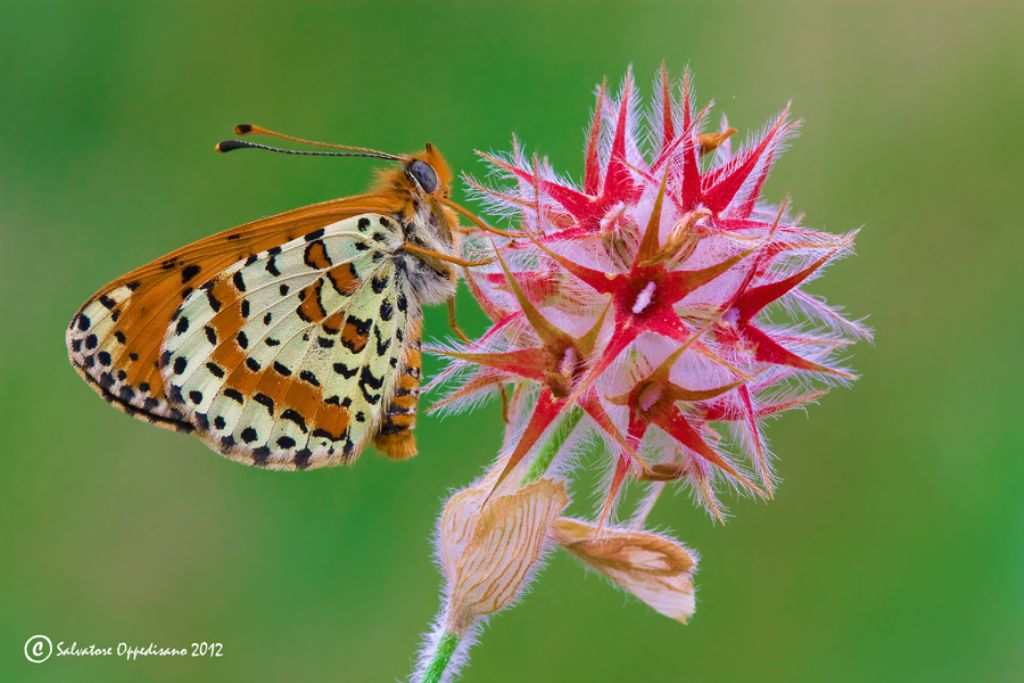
pixel 290 358
pixel 114 340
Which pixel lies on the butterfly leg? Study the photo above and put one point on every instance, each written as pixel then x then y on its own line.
pixel 454 324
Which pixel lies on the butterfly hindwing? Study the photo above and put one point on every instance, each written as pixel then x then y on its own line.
pixel 291 358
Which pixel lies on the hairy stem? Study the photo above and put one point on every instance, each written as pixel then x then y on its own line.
pixel 444 648
pixel 550 449
pixel 443 652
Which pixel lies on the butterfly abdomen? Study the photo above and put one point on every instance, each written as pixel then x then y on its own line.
pixel 395 437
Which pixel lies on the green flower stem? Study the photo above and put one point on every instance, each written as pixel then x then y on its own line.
pixel 553 446
pixel 442 656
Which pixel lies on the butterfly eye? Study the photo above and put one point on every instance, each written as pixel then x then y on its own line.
pixel 423 174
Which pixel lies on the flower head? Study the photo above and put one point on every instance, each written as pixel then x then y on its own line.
pixel 658 305
pixel 661 298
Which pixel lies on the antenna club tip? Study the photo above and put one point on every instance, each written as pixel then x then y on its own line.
pixel 243 128
pixel 225 146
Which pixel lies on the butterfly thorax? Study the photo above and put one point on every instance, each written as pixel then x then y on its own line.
pixel 420 186
pixel 432 281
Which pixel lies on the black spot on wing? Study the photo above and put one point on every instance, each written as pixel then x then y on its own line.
pixel 366 382
pixel 264 401
pixel 260 456
pixel 301 458
pixel 362 327
pixel 345 371
pixel 291 414
pixel 382 344
pixel 189 272
pixel 211 299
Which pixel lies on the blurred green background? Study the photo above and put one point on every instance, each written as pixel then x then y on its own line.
pixel 895 548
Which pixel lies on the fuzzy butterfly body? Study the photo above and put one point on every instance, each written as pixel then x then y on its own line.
pixel 291 342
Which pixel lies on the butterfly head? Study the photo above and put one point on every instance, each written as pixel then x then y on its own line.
pixel 429 172
pixel 423 175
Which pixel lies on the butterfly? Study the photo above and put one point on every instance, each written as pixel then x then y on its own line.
pixel 290 342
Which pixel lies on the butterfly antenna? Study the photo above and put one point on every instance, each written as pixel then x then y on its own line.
pixel 253 129
pixel 225 146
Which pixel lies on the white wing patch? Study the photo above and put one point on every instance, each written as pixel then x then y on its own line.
pixel 289 359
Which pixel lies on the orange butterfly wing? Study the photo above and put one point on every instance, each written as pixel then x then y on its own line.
pixel 114 339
